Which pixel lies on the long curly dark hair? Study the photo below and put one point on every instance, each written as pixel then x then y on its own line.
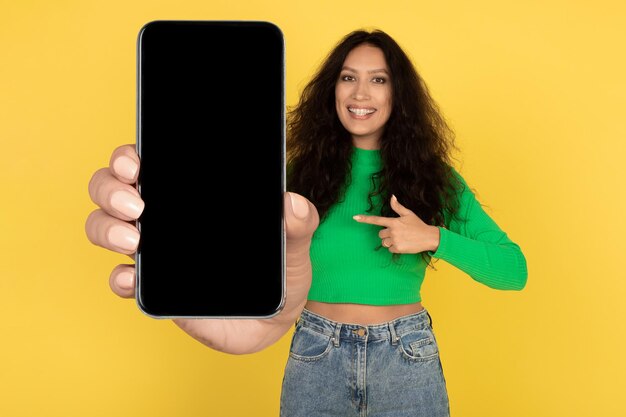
pixel 415 146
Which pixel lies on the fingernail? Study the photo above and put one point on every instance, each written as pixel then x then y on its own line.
pixel 299 206
pixel 125 280
pixel 126 167
pixel 357 217
pixel 127 203
pixel 123 238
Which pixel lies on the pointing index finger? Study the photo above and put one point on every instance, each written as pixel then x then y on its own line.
pixel 377 220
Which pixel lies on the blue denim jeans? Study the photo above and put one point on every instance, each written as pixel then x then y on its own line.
pixel 383 370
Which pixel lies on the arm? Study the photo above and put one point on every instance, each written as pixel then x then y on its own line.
pixel 476 245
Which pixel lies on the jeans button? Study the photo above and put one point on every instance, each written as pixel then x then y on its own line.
pixel 360 332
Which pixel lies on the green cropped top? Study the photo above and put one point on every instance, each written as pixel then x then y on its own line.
pixel 348 267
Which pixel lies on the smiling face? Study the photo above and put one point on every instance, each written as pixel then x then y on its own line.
pixel 363 95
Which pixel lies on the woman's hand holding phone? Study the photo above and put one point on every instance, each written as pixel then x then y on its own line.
pixel 111 226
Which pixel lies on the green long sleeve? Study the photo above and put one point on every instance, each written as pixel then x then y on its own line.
pixel 476 245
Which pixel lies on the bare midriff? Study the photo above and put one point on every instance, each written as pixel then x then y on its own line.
pixel 360 313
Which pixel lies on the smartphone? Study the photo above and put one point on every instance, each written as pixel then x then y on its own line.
pixel 211 142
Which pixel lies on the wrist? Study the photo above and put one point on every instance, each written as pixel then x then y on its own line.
pixel 436 238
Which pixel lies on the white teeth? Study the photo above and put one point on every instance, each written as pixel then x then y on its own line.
pixel 360 112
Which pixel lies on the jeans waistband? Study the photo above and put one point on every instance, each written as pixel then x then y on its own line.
pixel 346 331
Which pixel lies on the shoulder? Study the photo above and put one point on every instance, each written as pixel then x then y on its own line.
pixel 468 196
pixel 462 198
pixel 457 181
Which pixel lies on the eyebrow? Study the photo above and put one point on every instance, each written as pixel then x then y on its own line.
pixel 369 72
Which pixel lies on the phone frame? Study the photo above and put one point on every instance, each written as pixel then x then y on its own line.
pixel 139 90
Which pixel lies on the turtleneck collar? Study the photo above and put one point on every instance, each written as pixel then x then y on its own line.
pixel 366 160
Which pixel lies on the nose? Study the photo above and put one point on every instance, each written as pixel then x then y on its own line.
pixel 361 90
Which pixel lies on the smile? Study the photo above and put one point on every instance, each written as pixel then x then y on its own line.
pixel 361 112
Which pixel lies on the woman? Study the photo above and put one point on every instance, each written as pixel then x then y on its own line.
pixel 366 140
pixel 369 159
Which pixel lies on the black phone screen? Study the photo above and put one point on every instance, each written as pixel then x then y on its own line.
pixel 211 141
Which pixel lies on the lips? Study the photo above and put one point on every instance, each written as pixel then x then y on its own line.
pixel 361 111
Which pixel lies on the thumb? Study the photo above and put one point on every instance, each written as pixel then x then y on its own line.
pixel 300 216
pixel 399 208
pixel 301 220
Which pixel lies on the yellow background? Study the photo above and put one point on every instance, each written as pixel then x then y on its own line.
pixel 536 93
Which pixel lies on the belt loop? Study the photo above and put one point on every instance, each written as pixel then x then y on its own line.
pixel 394 336
pixel 336 334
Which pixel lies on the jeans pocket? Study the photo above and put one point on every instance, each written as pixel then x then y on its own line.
pixel 308 345
pixel 419 345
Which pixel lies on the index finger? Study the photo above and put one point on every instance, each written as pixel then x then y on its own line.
pixel 124 163
pixel 377 220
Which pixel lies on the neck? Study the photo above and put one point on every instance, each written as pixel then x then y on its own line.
pixel 366 143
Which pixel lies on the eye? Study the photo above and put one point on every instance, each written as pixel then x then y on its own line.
pixel 346 77
pixel 380 80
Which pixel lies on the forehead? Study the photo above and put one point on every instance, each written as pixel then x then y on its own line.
pixel 366 57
